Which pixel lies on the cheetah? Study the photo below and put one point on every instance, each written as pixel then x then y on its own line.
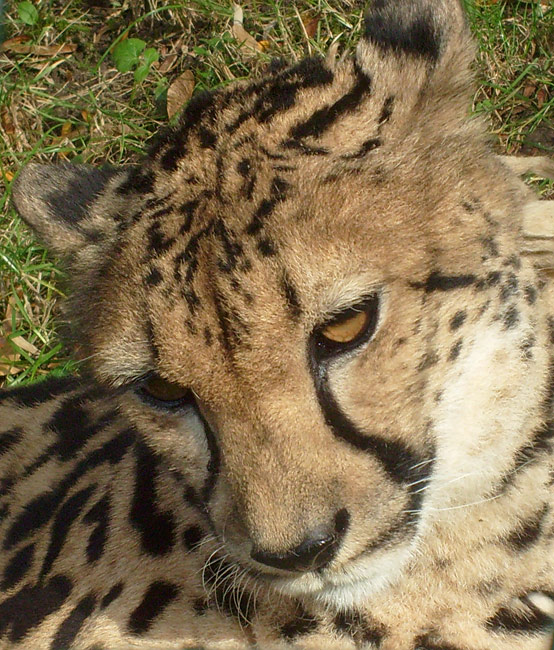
pixel 315 401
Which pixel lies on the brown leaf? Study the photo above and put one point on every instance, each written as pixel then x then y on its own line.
pixel 529 90
pixel 180 92
pixel 310 23
pixel 38 50
pixel 542 96
pixel 6 120
pixel 242 36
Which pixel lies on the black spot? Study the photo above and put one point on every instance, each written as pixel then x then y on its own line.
pixel 10 438
pixel 436 281
pixel 188 209
pixel 527 346
pixel 395 27
pixel 99 514
pixel 301 147
pixel 208 138
pixel 511 317
pixel 429 360
pixel 267 247
pixel 325 117
pixel 63 521
pixel 458 320
pixel 71 626
pixel 386 111
pixel 528 531
pixel 40 392
pixel 200 607
pixel 82 186
pixel 154 278
pixel 365 148
pixel 509 288
pixel 511 621
pixel 155 527
pixel 303 623
pixel 279 93
pixel 530 294
pixel 30 606
pixel 363 632
pixel 73 427
pixel 425 642
pixel 455 350
pixel 514 261
pixel 157 243
pixel 208 336
pixel 158 596
pixel 112 594
pixel 490 246
pixel 232 248
pixel 278 193
pixel 18 566
pixel 192 537
pixel 139 181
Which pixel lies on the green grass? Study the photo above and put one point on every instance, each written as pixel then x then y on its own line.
pixel 78 106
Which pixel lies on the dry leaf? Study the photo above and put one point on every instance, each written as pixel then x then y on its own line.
pixel 310 23
pixel 7 121
pixel 8 176
pixel 66 129
pixel 529 90
pixel 542 96
pixel 25 345
pixel 167 63
pixel 12 45
pixel 242 36
pixel 180 92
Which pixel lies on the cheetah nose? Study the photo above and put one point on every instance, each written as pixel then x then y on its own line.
pixel 315 552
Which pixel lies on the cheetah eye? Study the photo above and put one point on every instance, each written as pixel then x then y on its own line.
pixel 163 393
pixel 349 329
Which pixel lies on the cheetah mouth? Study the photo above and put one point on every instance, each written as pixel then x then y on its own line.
pixel 348 585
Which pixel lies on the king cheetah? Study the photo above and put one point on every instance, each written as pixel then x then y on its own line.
pixel 316 400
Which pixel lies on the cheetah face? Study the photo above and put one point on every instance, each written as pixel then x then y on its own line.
pixel 309 309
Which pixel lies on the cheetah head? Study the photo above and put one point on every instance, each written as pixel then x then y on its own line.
pixel 310 302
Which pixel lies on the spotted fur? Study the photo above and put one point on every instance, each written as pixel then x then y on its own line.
pixel 397 494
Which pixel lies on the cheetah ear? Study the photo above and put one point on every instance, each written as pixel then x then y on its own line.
pixel 67 205
pixel 420 51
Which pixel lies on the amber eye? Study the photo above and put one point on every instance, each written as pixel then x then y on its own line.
pixel 164 392
pixel 350 328
pixel 347 329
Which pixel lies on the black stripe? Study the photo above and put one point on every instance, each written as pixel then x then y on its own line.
pixel 10 438
pixel 40 392
pixel 42 508
pixel 156 599
pixel 71 626
pixel 291 297
pixel 99 514
pixel 436 281
pixel 365 148
pixel 396 26
pixel 65 517
pixel 528 530
pixel 532 621
pixel 30 606
pixel 155 527
pixel 214 463
pixel 325 117
pixel 18 566
pixel 397 459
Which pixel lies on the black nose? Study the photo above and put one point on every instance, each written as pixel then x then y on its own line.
pixel 315 552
